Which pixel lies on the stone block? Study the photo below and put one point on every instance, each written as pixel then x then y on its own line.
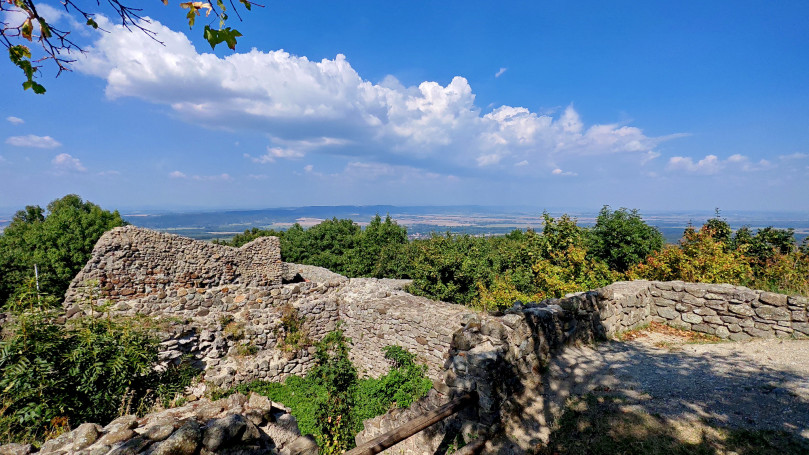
pixel 771 298
pixel 704 311
pixel 691 318
pixel 667 312
pixel 798 301
pixel 741 309
pixel 703 328
pixel 758 333
pixel 740 336
pixel 774 313
pixel 801 327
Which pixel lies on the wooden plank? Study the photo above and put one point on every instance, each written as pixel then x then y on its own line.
pixel 421 422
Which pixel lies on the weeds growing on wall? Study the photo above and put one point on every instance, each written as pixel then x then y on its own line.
pixel 293 334
pixel 331 402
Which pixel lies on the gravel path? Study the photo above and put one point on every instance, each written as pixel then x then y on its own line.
pixel 762 384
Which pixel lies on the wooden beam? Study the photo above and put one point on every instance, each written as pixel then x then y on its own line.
pixel 412 427
pixel 474 447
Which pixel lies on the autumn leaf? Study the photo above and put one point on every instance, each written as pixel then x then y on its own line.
pixel 26 29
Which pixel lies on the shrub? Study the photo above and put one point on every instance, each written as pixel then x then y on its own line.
pixel 622 239
pixel 500 295
pixel 699 258
pixel 55 375
pixel 569 271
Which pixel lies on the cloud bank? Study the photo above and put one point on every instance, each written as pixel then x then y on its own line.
pixel 307 107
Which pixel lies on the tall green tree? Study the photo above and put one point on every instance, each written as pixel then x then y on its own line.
pixel 59 242
pixel 622 239
pixel 325 245
pixel 377 248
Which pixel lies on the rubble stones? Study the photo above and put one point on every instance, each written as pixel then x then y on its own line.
pixel 184 430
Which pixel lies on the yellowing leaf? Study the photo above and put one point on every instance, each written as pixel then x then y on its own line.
pixel 26 29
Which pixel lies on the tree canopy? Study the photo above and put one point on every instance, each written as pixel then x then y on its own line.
pixel 622 239
pixel 58 241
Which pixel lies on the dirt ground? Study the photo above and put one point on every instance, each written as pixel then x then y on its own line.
pixel 761 384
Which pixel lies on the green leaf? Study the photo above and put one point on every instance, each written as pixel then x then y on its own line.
pixel 246 4
pixel 38 88
pixel 92 23
pixel 45 29
pixel 226 35
pixel 230 37
pixel 18 53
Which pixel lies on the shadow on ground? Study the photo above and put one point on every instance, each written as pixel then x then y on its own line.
pixel 639 398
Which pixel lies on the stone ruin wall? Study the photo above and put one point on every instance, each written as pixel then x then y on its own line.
pixel 234 332
pixel 130 262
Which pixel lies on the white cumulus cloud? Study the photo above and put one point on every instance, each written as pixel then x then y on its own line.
pixel 15 120
pixel 31 140
pixel 500 72
pixel 325 106
pixel 66 163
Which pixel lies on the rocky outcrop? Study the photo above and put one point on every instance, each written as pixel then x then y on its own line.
pixel 233 425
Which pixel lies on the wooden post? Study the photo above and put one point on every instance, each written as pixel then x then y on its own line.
pixel 421 422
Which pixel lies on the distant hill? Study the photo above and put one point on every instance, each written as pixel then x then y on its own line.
pixel 423 220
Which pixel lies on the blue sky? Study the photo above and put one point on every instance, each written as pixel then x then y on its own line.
pixel 650 105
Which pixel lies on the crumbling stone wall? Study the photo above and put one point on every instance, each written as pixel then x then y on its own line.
pixel 379 313
pixel 236 333
pixel 131 262
pixel 224 307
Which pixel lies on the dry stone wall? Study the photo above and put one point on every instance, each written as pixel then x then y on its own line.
pixel 130 262
pixel 731 312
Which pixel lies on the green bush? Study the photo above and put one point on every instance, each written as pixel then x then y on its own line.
pixel 54 376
